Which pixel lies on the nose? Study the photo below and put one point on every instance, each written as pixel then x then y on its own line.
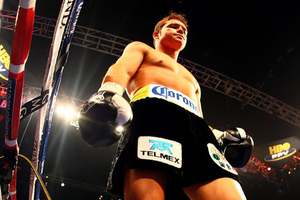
pixel 180 30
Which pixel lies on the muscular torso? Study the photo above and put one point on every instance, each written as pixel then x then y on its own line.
pixel 159 68
pixel 141 65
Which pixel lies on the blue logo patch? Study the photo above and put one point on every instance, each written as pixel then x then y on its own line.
pixel 162 146
pixel 160 150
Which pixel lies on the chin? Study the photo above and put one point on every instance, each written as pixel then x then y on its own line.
pixel 181 46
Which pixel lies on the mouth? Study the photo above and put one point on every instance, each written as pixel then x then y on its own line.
pixel 180 36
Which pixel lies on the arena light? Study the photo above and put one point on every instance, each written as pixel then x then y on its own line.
pixel 59 110
pixel 119 129
pixel 68 112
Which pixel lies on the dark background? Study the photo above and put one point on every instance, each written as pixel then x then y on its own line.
pixel 257 43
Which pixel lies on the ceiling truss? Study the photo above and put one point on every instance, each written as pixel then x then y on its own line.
pixel 114 45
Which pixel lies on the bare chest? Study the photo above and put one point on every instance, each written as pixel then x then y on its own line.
pixel 161 61
pixel 159 68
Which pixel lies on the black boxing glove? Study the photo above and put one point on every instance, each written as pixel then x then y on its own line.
pixel 238 154
pixel 236 145
pixel 104 116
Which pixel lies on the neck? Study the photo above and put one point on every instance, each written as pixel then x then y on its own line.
pixel 170 52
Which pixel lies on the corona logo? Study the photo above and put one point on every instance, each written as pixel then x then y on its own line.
pixel 279 152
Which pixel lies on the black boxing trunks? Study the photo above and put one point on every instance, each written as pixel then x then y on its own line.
pixel 167 134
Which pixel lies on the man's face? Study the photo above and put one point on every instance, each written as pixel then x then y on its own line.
pixel 173 33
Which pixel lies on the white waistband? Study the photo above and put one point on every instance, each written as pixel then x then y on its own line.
pixel 168 94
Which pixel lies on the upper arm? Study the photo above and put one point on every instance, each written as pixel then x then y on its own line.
pixel 127 65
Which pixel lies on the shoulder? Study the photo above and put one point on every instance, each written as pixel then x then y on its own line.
pixel 138 46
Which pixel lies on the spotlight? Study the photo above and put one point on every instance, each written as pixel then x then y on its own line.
pixel 66 112
pixel 69 113
pixel 59 110
pixel 119 129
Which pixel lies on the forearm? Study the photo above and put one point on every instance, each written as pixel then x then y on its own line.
pixel 117 74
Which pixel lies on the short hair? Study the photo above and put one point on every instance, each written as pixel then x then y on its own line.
pixel 172 15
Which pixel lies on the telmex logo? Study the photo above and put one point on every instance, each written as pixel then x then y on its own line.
pixel 160 150
pixel 162 146
pixel 279 152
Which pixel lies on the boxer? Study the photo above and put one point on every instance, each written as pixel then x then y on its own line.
pixel 168 143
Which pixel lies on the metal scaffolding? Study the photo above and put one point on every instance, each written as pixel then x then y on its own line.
pixel 114 45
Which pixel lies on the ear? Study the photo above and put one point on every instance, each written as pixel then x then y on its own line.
pixel 155 35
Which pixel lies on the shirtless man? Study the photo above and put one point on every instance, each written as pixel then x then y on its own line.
pixel 162 145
